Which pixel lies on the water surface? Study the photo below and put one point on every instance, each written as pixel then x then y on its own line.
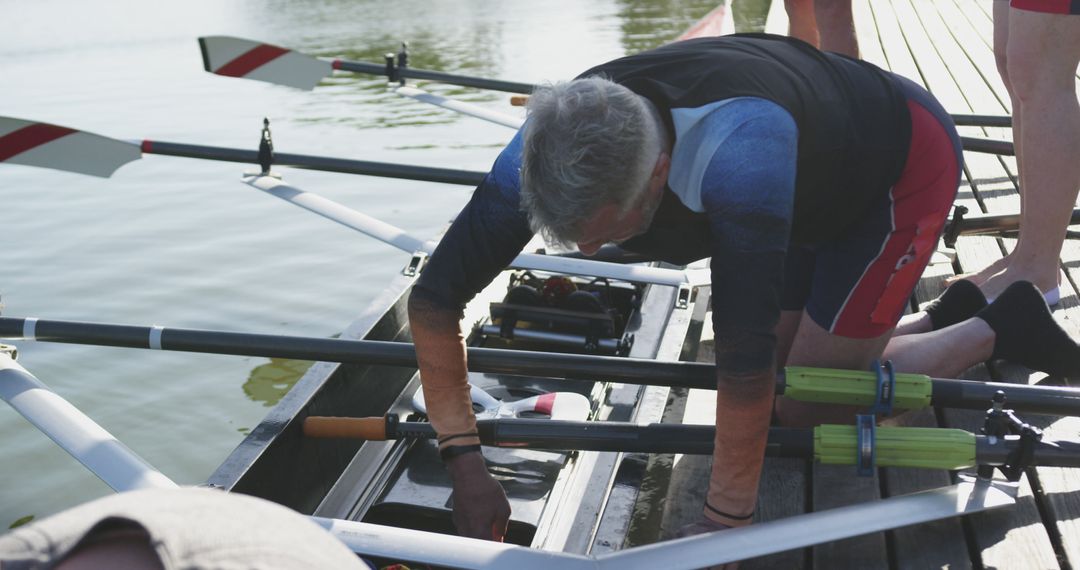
pixel 182 243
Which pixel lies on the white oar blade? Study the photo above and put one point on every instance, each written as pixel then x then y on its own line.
pixel 32 143
pixel 460 107
pixel 568 406
pixel 237 57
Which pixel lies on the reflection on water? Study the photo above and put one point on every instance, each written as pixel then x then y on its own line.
pixel 24 520
pixel 650 23
pixel 749 15
pixel 181 243
pixel 269 382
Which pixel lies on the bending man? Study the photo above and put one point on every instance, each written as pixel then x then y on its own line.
pixel 816 183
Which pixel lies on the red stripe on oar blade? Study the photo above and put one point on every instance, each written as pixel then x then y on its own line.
pixel 251 60
pixel 28 137
pixel 545 403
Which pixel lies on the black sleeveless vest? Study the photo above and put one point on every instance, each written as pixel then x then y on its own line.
pixel 853 121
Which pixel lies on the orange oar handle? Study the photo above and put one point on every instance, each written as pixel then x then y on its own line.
pixel 372 429
pixel 519 100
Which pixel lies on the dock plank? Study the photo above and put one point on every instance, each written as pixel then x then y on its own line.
pixel 782 491
pixel 940 544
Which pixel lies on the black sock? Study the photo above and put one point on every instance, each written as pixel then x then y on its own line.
pixel 958 303
pixel 1028 334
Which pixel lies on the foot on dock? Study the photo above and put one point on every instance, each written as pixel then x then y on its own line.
pixel 961 301
pixel 1028 334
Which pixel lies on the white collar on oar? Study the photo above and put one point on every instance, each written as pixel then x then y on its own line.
pixel 569 406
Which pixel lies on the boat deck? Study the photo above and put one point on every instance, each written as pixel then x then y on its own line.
pixel 945 45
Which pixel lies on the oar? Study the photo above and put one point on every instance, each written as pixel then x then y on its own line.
pixel 123 470
pixel 928 448
pixel 911 391
pixel 49 146
pixel 1002 121
pixel 237 57
pixel 41 144
pixel 555 405
pixel 988 146
pixel 961 223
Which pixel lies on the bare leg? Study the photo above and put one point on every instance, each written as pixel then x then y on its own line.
pixel 785 335
pixel 1043 54
pixel 814 346
pixel 836 27
pixel 946 352
pixel 801 21
pixel 1001 40
pixel 915 323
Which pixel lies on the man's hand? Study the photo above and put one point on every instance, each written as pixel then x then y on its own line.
pixel 705 526
pixel 480 506
pixel 700 527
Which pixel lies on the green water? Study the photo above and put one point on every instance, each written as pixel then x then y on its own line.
pixel 182 243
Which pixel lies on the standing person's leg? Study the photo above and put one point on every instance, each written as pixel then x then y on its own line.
pixel 1043 54
pixel 801 21
pixel 1001 42
pixel 836 27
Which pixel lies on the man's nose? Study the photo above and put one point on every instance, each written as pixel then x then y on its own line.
pixel 589 247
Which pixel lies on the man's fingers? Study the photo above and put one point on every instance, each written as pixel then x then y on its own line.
pixel 498 528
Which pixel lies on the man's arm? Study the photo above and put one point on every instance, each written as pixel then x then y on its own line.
pixel 488 233
pixel 480 506
pixel 747 191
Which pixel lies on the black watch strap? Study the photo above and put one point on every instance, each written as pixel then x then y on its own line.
pixel 451 451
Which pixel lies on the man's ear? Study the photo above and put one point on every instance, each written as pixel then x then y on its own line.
pixel 660 171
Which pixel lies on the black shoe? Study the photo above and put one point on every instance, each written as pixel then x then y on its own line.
pixel 961 301
pixel 1027 333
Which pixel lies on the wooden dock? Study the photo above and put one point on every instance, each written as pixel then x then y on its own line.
pixel 946 46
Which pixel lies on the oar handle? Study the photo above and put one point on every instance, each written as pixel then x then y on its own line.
pixel 519 100
pixel 371 429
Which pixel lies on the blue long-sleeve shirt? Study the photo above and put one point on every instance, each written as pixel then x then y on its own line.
pixel 730 196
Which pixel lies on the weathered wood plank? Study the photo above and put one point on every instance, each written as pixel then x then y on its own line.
pixel 1017 539
pixel 941 544
pixel 836 486
pixel 866 30
pixel 782 492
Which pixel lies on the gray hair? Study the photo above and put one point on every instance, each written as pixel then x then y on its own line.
pixel 587 143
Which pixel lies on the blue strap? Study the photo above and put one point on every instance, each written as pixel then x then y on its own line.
pixel 866 431
pixel 866 424
pixel 886 388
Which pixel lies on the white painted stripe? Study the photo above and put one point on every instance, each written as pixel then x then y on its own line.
pixel 294 70
pixel 9 125
pixel 155 337
pixel 29 329
pixel 223 49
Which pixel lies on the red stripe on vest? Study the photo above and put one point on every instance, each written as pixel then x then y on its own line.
pixel 545 403
pixel 254 58
pixel 28 137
